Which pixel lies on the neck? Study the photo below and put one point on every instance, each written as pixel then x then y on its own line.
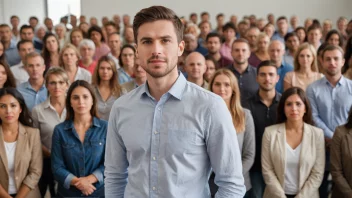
pixel 36 82
pixel 10 128
pixel 197 81
pixel 60 101
pixel 240 67
pixel 6 44
pixel 267 95
pixel 294 125
pixel 140 81
pixel 159 86
pixel 87 61
pixel 128 69
pixel 83 119
pixel 71 68
pixel 305 70
pixel 98 44
pixel 292 52
pixel 216 55
pixel 54 53
pixel 278 63
pixel 116 53
pixel 333 79
pixel 104 83
pixel 229 42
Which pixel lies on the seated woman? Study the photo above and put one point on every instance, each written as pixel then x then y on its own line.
pixel 68 60
pixel 341 160
pixel 305 68
pixel 20 148
pixel 126 61
pixel 225 84
pixel 293 151
pixel 78 145
pixel 106 86
pixel 46 116
pixel 6 76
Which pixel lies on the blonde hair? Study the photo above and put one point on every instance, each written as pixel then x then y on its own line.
pixel 314 66
pixel 236 109
pixel 68 46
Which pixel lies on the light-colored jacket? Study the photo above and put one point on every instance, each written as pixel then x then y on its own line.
pixel 311 165
pixel 28 160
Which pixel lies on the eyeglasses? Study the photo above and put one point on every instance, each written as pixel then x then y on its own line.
pixel 54 83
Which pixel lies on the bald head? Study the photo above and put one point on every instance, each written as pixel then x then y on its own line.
pixel 195 65
pixel 276 51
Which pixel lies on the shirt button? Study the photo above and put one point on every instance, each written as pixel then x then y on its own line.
pixel 100 143
pixel 159 108
pixel 154 188
pixel 154 158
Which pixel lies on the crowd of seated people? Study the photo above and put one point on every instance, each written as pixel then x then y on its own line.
pixel 287 87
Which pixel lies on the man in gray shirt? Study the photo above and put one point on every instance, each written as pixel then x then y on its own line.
pixel 165 136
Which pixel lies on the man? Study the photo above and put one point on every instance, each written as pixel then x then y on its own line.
pixel 261 24
pixel 330 99
pixel 27 33
pixel 195 68
pixel 245 73
pixel 114 43
pixel 271 18
pixel 204 16
pixel 19 72
pixel 233 20
pixel 252 20
pixel 229 34
pixel 220 18
pixel 15 21
pixel 93 21
pixel 205 29
pixel 282 29
pixel 33 21
pixel 179 128
pixel 49 25
pixel 117 20
pixel 276 52
pixel 314 35
pixel 126 20
pixel 73 21
pixel 82 19
pixel 110 27
pixel 213 42
pixel 140 77
pixel 292 44
pixel 243 26
pixel 104 20
pixel 34 90
pixel 128 36
pixel 251 35
pixel 294 22
pixel 11 52
pixel 263 106
pixel 191 45
pixel 193 17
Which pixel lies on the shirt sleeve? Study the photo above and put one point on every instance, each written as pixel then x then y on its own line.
pixel 315 113
pixel 116 163
pixel 223 151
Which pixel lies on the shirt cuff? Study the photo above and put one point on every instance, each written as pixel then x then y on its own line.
pixel 99 175
pixel 67 182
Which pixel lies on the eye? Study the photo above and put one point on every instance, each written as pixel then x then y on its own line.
pixel 146 42
pixel 166 40
pixel 2 106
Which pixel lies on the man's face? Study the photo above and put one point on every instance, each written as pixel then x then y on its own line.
pixel 5 34
pixel 195 66
pixel 49 24
pixel 332 62
pixel 252 35
pixel 205 29
pixel 35 67
pixel 104 20
pixel 292 43
pixel 220 21
pixel 213 45
pixel 158 48
pixel 27 34
pixel 25 49
pixel 205 17
pixel 129 36
pixel 138 70
pixel 276 51
pixel 282 26
pixel 294 21
pixel 190 44
pixel 243 28
pixel 82 19
pixel 33 23
pixel 114 42
pixel 267 78
pixel 110 29
pixel 314 36
pixel 194 19
pixel 229 34
pixel 233 19
pixel 93 21
pixel 117 19
pixel 126 20
pixel 14 22
pixel 240 52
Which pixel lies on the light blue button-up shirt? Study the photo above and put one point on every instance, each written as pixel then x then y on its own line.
pixel 282 70
pixel 123 76
pixel 31 96
pixel 167 148
pixel 330 105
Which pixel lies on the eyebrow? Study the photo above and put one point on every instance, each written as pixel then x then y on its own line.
pixel 161 37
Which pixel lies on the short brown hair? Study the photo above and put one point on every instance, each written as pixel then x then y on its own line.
pixel 332 48
pixel 156 13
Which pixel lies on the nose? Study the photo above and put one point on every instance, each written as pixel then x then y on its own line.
pixel 156 49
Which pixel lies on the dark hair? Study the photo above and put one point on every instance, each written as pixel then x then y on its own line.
pixel 2 57
pixel 266 63
pixel 25 117
pixel 219 15
pixel 305 32
pixel 348 124
pixel 33 17
pixel 15 16
pixel 21 42
pixel 348 54
pixel 332 48
pixel 11 81
pixel 204 13
pixel 281 117
pixel 332 32
pixel 321 48
pixel 210 58
pixel 76 30
pixel 156 13
pixel 110 23
pixel 314 27
pixel 26 27
pixel 281 18
pixel 96 28
pixel 45 51
pixel 289 35
pixel 192 14
pixel 229 26
pixel 124 47
pixel 213 34
pixel 4 25
pixel 80 83
pixel 240 40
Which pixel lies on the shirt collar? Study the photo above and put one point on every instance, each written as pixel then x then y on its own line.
pixel 276 98
pixel 69 123
pixel 28 85
pixel 341 82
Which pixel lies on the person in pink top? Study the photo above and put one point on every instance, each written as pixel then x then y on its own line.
pixel 101 48
pixel 86 48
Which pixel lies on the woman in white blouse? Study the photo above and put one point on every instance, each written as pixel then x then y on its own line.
pixel 46 116
pixel 68 60
pixel 293 154
pixel 106 86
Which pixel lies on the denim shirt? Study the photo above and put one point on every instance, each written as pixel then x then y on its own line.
pixel 72 158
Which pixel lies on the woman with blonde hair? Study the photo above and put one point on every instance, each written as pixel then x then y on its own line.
pixel 225 84
pixel 261 53
pixel 106 86
pixel 305 68
pixel 68 60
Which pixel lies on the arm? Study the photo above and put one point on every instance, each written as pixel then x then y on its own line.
pixel 270 178
pixel 23 191
pixel 316 175
pixel 116 162
pixel 315 113
pixel 35 119
pixel 35 166
pixel 3 193
pixel 337 171
pixel 223 151
pixel 248 148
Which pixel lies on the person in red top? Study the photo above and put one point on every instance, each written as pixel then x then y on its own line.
pixel 87 48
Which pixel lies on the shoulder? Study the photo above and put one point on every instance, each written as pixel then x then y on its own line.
pixel 317 131
pixel 197 94
pixel 274 128
pixel 315 84
pixel 289 75
pixel 341 131
pixel 247 112
pixel 31 131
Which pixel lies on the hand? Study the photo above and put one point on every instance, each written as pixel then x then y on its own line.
pixel 84 185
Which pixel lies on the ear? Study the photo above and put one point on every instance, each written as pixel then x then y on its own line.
pixel 181 48
pixel 137 55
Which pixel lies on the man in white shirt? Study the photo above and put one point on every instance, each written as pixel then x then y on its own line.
pixel 114 42
pixel 21 75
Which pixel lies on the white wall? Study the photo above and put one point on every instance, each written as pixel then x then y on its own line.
pixel 321 9
pixel 22 8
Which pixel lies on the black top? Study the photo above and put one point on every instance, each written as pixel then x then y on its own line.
pixel 263 116
pixel 246 81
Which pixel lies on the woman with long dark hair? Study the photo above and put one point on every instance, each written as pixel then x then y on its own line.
pixel 51 50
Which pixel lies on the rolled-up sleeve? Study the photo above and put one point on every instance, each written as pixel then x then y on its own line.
pixel 224 152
